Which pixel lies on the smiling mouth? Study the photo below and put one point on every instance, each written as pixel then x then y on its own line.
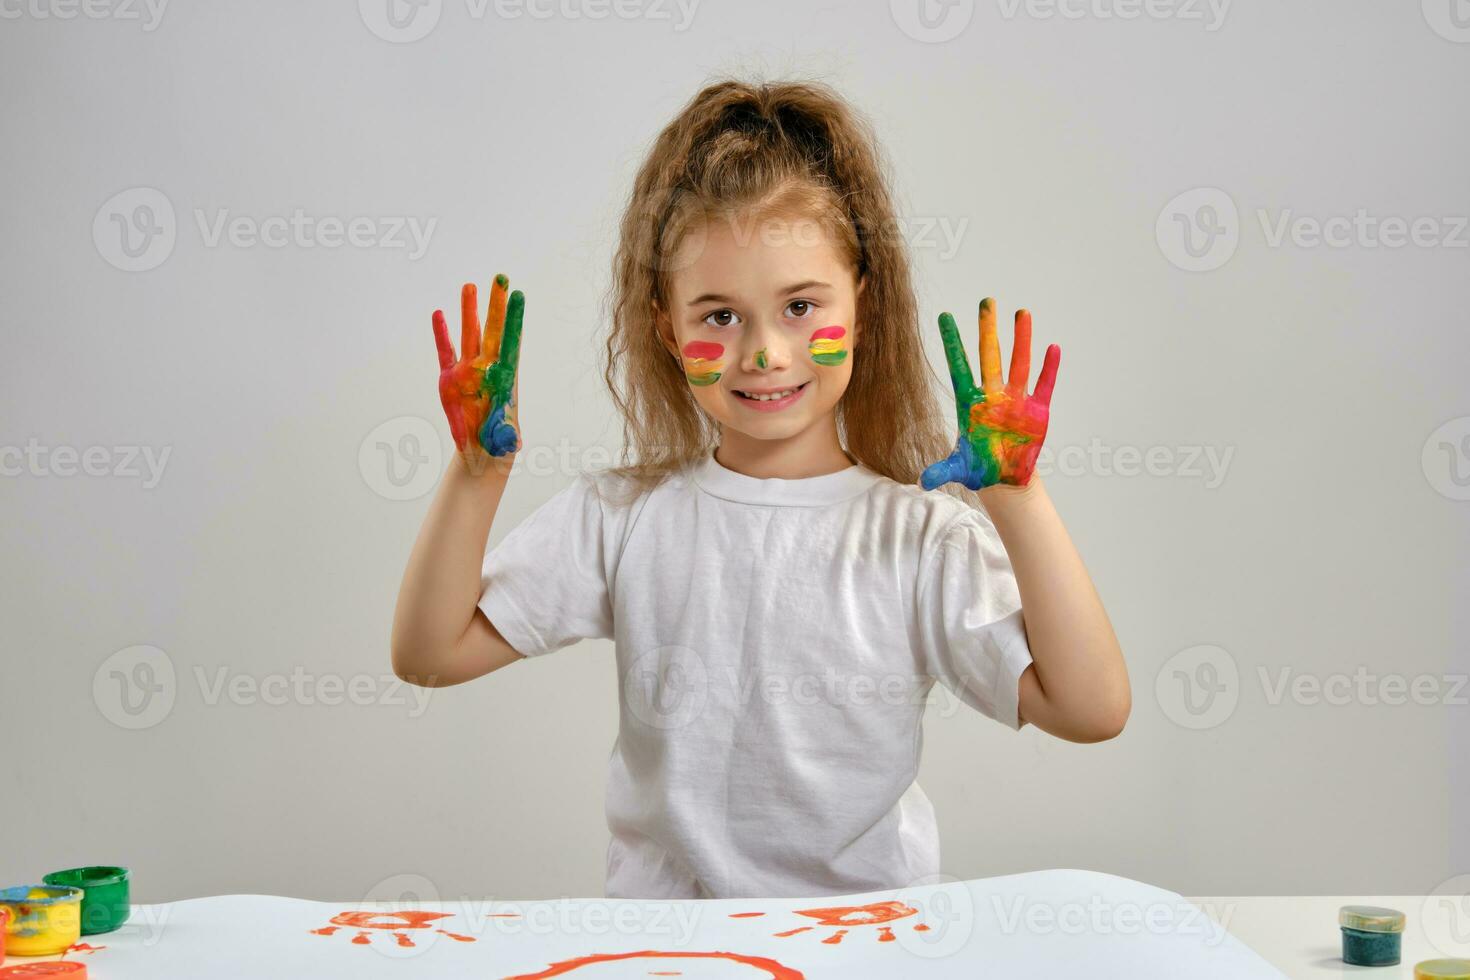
pixel 771 396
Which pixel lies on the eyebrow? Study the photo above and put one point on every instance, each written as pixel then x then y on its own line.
pixel 793 288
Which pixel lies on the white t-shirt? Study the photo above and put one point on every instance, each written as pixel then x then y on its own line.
pixel 776 641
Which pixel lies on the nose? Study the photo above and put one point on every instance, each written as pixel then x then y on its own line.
pixel 765 350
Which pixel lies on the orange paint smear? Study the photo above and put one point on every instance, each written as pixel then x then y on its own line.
pixel 745 915
pixel 792 932
pixel 776 970
pixel 388 920
pixel 859 915
pixel 84 948
pixel 835 938
pixel 396 923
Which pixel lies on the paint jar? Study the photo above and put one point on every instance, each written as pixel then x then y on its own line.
pixel 1442 970
pixel 1371 935
pixel 106 902
pixel 44 919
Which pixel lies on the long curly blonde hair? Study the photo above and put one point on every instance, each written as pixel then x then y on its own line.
pixel 753 149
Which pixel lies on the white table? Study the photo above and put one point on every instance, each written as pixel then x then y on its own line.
pixel 251 937
pixel 1299 934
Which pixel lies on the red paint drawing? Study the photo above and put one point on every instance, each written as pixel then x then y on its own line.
pixel 773 970
pixel 86 948
pixel 397 923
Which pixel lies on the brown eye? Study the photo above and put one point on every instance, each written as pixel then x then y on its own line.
pixel 806 307
pixel 721 313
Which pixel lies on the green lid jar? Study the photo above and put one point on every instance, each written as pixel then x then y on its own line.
pixel 106 898
pixel 1371 935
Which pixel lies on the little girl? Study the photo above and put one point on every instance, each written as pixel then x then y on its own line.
pixel 780 571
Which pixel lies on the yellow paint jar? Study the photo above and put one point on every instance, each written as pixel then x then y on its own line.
pixel 44 919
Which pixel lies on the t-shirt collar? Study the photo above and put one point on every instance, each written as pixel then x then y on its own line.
pixel 810 491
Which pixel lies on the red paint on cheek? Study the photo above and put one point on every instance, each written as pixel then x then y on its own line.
pixel 705 349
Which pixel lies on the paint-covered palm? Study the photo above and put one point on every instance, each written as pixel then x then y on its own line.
pixel 1001 427
pixel 479 388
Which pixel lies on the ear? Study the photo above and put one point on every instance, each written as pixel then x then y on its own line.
pixel 665 328
pixel 856 315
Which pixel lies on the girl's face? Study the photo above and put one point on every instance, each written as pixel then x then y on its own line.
pixel 763 319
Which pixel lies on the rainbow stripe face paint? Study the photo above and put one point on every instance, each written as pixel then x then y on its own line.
pixel 478 389
pixel 1001 427
pixel 828 345
pixel 703 362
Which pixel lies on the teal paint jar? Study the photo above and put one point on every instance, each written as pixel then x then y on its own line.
pixel 1371 935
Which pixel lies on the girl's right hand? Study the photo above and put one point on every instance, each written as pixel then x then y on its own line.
pixel 479 389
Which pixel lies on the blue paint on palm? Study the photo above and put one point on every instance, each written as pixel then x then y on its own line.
pixel 497 436
pixel 964 466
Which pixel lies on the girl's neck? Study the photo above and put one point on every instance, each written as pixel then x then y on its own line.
pixel 816 451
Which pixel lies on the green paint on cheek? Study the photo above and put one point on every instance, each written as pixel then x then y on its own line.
pixel 827 346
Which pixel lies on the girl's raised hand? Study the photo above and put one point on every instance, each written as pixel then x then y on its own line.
pixel 1001 427
pixel 479 389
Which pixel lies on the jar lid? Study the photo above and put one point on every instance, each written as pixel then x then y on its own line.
pixel 40 895
pixel 1442 970
pixel 90 877
pixel 67 969
pixel 1370 918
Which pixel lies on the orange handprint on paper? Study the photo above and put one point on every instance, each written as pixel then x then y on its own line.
pixel 844 917
pixel 399 924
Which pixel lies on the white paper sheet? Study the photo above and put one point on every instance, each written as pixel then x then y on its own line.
pixel 1060 923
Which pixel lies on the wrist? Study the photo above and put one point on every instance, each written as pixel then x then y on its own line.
pixel 481 466
pixel 1003 500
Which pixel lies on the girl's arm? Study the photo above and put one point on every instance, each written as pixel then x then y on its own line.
pixel 1077 686
pixel 440 636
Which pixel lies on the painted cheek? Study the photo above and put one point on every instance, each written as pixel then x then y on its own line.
pixel 828 345
pixel 703 362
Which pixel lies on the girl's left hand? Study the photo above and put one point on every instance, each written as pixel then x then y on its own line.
pixel 1001 427
pixel 478 388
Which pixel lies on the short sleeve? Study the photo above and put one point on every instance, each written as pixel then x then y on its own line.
pixel 544 585
pixel 971 631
